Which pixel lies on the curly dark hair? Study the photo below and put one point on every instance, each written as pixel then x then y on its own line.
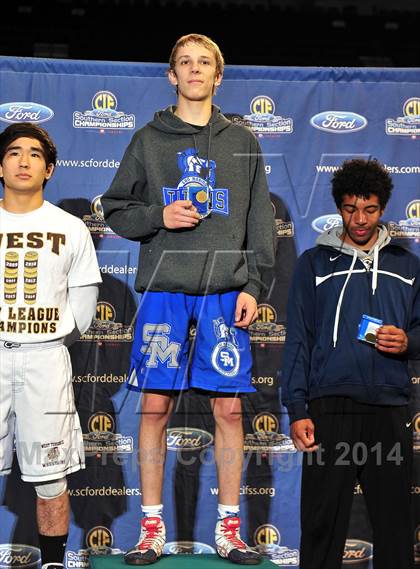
pixel 362 178
pixel 28 130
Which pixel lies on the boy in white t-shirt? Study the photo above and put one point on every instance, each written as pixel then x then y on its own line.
pixel 49 280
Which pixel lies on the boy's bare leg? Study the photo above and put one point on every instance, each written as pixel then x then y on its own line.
pixel 229 445
pixel 53 515
pixel 156 411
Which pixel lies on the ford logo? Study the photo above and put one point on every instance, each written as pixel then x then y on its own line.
pixel 184 438
pixel 339 122
pixel 25 112
pixel 326 222
pixel 357 550
pixel 17 555
pixel 187 547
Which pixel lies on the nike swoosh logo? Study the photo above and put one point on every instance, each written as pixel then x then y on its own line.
pixel 334 258
pixel 408 424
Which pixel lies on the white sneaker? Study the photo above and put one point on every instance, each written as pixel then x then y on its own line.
pixel 229 544
pixel 151 542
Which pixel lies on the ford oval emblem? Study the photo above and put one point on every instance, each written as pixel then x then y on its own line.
pixel 357 551
pixel 25 112
pixel 187 547
pixel 17 556
pixel 185 438
pixel 326 222
pixel 339 122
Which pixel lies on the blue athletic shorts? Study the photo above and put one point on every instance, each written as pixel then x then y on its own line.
pixel 161 357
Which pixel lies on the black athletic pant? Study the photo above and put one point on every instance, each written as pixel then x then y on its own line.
pixel 373 444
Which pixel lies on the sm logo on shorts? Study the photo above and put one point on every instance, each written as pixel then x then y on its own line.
pixel 158 346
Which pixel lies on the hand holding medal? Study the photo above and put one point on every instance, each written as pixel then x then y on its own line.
pixel 180 214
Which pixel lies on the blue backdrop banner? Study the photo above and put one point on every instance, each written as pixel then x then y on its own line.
pixel 308 121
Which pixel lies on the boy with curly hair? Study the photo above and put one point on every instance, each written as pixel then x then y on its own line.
pixel 353 322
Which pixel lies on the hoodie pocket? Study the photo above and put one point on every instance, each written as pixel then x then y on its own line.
pixel 391 371
pixel 316 361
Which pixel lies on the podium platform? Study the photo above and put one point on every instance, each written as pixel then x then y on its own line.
pixel 179 561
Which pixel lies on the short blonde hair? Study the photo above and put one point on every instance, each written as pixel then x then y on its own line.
pixel 200 40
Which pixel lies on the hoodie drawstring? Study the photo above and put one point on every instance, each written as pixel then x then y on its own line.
pixel 375 269
pixel 340 300
pixel 207 178
pixel 208 158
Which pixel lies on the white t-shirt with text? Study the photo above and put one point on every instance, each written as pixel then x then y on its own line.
pixel 42 254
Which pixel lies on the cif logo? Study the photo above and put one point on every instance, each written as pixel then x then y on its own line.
pixel 338 122
pixel 413 210
pixel 266 535
pixel 96 207
pixel 356 551
pixel 265 423
pixel 101 423
pixel 266 314
pixel 416 424
pixel 416 432
pixel 185 438
pixel 105 312
pixel 326 222
pixel 99 539
pixel 411 108
pixel 25 112
pixel 18 555
pixel 262 105
pixel 104 101
pixel 187 547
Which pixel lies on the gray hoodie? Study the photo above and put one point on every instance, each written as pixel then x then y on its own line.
pixel 332 238
pixel 230 249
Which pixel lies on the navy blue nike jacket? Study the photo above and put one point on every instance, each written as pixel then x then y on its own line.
pixel 332 288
